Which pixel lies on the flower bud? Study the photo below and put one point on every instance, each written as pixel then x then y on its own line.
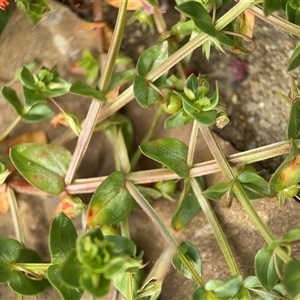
pixel 222 121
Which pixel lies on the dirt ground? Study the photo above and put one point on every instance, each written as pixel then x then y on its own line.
pixel 257 117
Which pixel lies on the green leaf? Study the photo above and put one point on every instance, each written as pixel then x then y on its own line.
pixel 83 89
pixel 5 271
pixel 9 249
pixel 33 97
pixel 293 128
pixel 62 238
pixel 119 78
pixel 170 152
pixel 206 118
pixel 151 58
pixel 44 166
pixel 11 96
pixel 190 253
pixel 292 235
pixel 217 191
pixel 21 284
pixel 271 5
pixel 111 202
pixel 97 285
pixel 291 278
pixel 38 113
pixel 27 79
pixel 66 292
pixel 124 280
pixel 143 92
pixel 4 17
pixel 225 39
pixel 199 15
pixel 265 268
pixel 288 173
pixel 187 207
pixel 200 294
pixel 122 245
pixel 72 270
pixel 294 60
pixel 28 256
pixel 179 119
pixel 230 289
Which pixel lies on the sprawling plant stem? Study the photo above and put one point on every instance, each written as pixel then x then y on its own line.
pixel 89 185
pixel 95 107
pixel 156 220
pixel 19 230
pixel 239 191
pixel 217 229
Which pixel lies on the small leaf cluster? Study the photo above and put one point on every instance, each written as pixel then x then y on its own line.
pixel 36 90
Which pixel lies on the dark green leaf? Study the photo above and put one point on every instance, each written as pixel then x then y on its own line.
pixel 72 270
pixel 225 39
pixel 179 119
pixel 5 271
pixel 294 60
pixel 192 255
pixel 291 278
pixel 33 97
pixel 151 58
pixel 11 96
pixel 199 294
pixel 119 78
pixel 292 235
pixel 4 17
pixel 271 5
pixel 21 284
pixel 199 15
pixel 83 89
pixel 122 244
pixel 44 166
pixel 170 152
pixel 38 113
pixel 9 249
pixel 111 202
pixel 62 238
pixel 28 256
pixel 66 292
pixel 216 191
pixel 143 92
pixel 96 284
pixel 293 128
pixel 265 268
pixel 27 79
pixel 187 208
pixel 206 118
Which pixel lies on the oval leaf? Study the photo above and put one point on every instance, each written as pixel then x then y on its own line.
pixel 21 284
pixel 64 290
pixel 111 202
pixel 294 61
pixel 11 96
pixel 62 238
pixel 83 89
pixel 192 254
pixel 5 271
pixel 170 152
pixel 44 166
pixel 38 113
pixel 216 191
pixel 9 249
pixel 265 268
pixel 143 93
pixel 291 278
pixel 293 128
pixel 151 58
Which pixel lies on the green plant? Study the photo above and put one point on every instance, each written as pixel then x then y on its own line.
pixel 89 262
